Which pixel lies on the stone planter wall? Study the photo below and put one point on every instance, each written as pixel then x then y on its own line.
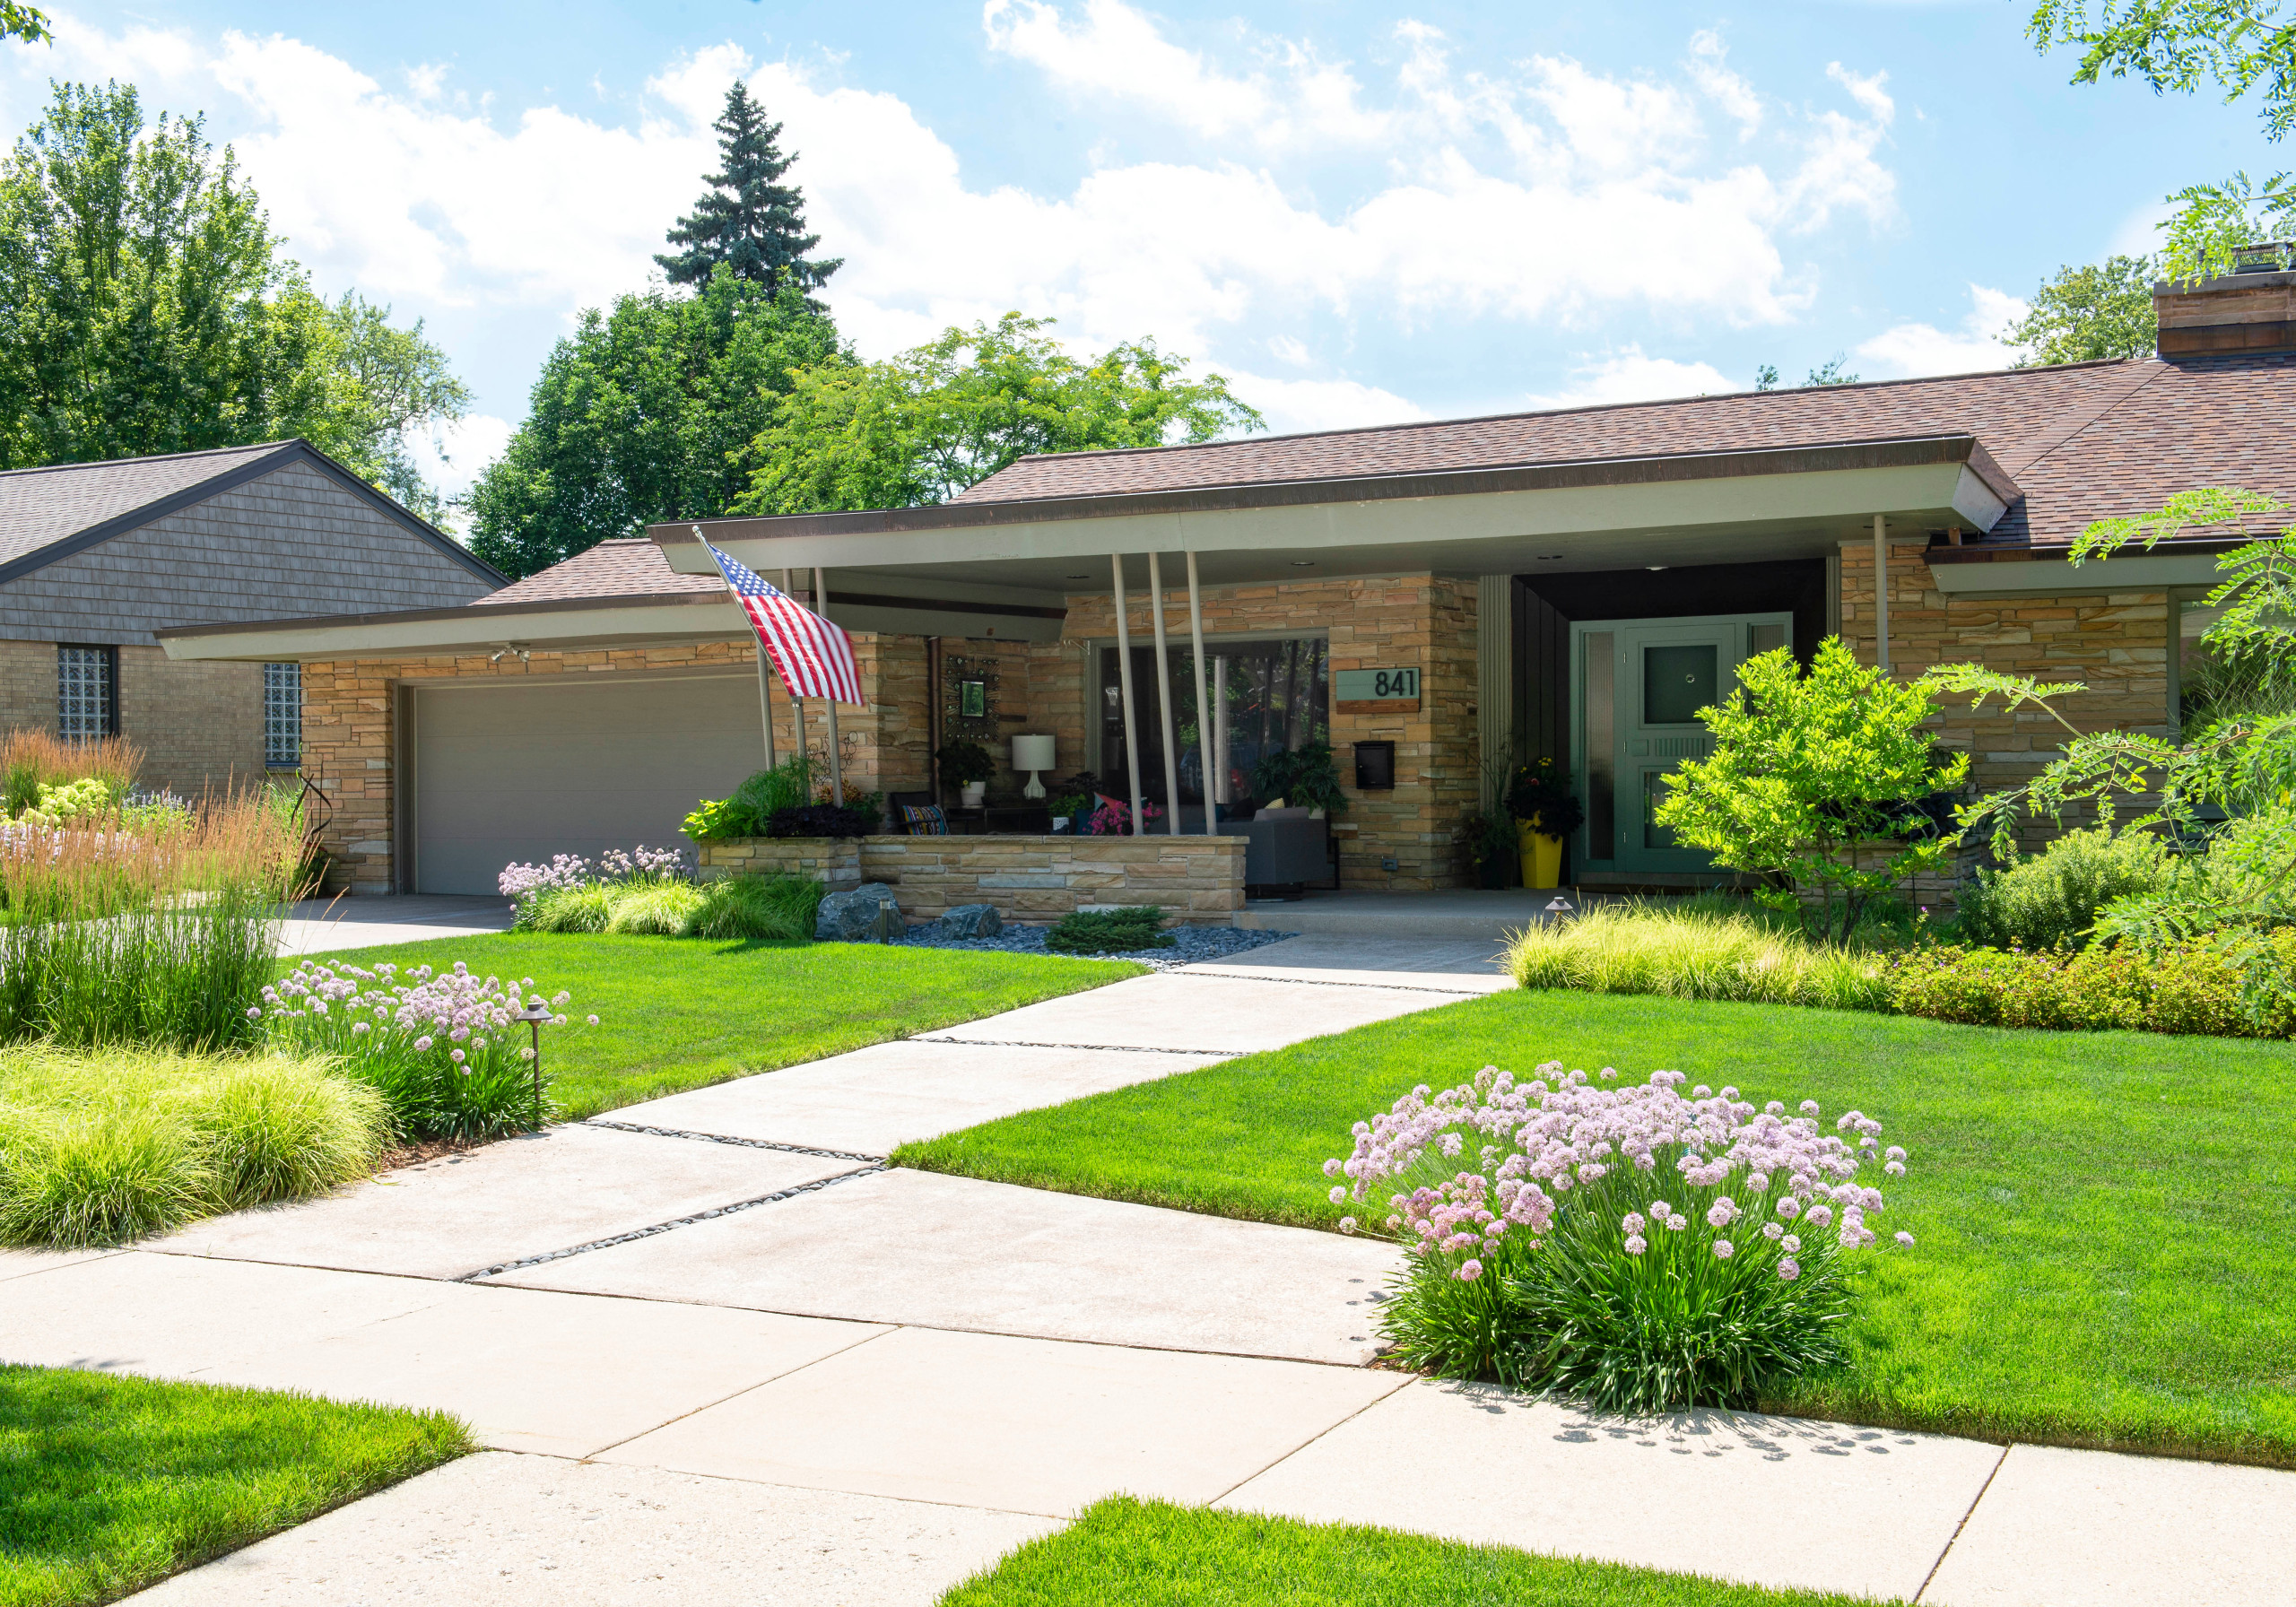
pixel 835 861
pixel 1200 880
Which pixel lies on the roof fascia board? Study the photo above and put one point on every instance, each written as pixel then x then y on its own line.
pixel 228 480
pixel 1603 473
pixel 2130 573
pixel 1842 494
pixel 421 632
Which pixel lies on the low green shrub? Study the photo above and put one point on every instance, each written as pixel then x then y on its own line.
pixel 653 909
pixel 2193 989
pixel 1635 1247
pixel 585 908
pixel 102 1147
pixel 1110 931
pixel 1696 952
pixel 2050 899
pixel 757 909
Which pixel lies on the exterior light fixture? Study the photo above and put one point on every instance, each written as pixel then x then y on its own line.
pixel 503 650
pixel 1654 568
pixel 535 1015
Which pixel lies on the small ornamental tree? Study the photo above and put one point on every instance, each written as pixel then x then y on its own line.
pixel 1811 783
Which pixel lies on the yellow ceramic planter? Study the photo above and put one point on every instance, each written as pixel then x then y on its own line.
pixel 1541 855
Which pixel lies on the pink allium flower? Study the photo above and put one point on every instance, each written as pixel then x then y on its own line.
pixel 1337 1196
pixel 456 1056
pixel 1470 1270
pixel 1775 1107
pixel 1331 1168
pixel 1788 1268
pixel 1677 1223
pixel 1788 1207
pixel 1724 1249
pixel 1894 1152
pixel 1906 1239
pixel 1347 1224
pixel 422 1043
pixel 1895 1169
pixel 1631 1223
pixel 254 1010
pixel 1793 1245
pixel 1721 1213
pixel 1819 1215
pixel 1773 1232
pixel 1636 1244
pixel 1809 1107
pixel 1758 1181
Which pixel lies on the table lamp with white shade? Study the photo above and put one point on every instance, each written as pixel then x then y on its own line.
pixel 1033 755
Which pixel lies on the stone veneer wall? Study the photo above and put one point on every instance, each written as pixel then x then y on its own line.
pixel 835 861
pixel 1197 878
pixel 1410 621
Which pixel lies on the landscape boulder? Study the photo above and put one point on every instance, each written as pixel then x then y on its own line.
pixel 866 913
pixel 973 920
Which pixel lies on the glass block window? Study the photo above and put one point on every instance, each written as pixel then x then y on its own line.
pixel 87 693
pixel 283 715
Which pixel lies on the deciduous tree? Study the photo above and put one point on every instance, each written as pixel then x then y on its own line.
pixel 2102 310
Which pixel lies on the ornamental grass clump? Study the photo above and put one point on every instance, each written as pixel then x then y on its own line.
pixel 1686 952
pixel 1627 1246
pixel 441 1046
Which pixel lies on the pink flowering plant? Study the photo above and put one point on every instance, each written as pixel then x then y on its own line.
pixel 442 1048
pixel 1635 1247
pixel 575 894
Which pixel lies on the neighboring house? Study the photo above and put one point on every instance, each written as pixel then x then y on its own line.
pixel 97 557
pixel 1572 584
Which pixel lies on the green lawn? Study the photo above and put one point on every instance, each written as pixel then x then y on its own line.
pixel 1155 1554
pixel 676 1014
pixel 2106 1221
pixel 109 1483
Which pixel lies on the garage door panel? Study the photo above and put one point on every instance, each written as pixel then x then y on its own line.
pixel 519 773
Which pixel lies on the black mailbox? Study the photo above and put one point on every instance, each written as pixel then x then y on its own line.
pixel 1375 767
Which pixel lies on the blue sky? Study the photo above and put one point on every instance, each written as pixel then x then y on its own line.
pixel 1359 210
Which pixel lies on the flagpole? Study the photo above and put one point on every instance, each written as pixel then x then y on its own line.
pixel 835 775
pixel 764 675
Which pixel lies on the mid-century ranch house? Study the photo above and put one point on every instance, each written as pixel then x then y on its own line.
pixel 95 557
pixel 1571 584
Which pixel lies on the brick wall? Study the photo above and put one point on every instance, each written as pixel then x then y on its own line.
pixel 1421 621
pixel 200 725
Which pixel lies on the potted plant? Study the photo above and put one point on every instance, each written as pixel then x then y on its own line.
pixel 1306 775
pixel 1066 809
pixel 1490 838
pixel 1546 812
pixel 967 766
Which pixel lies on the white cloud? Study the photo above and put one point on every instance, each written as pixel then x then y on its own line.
pixel 451 456
pixel 1906 350
pixel 1629 375
pixel 1723 87
pixel 1840 168
pixel 1292 405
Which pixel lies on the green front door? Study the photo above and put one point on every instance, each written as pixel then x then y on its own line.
pixel 1637 686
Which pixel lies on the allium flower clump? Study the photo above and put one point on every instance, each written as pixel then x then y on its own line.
pixel 1629 1243
pixel 443 1048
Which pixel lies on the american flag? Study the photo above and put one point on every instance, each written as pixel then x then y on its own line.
pixel 812 656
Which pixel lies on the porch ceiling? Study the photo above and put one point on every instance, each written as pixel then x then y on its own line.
pixel 1697 509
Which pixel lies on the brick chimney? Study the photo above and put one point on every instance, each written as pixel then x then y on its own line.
pixel 2250 309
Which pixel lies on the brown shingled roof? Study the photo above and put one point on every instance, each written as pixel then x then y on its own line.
pixel 632 567
pixel 2083 440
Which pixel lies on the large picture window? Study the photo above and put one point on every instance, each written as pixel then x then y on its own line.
pixel 282 716
pixel 87 693
pixel 1268 695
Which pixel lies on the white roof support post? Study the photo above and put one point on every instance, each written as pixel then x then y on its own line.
pixel 1203 701
pixel 1881 592
pixel 836 769
pixel 1123 679
pixel 1164 700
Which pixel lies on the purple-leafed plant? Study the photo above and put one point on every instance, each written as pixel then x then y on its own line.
pixel 1630 1246
pixel 442 1048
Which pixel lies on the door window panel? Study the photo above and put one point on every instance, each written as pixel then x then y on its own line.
pixel 1677 681
pixel 1601 730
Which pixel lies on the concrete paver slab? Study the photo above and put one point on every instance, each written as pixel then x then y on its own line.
pixel 903 1247
pixel 1022 1425
pixel 21 1263
pixel 547 1372
pixel 2062 1528
pixel 873 1099
pixel 1172 1010
pixel 524 1196
pixel 173 1315
pixel 1452 965
pixel 1769 1500
pixel 536 1531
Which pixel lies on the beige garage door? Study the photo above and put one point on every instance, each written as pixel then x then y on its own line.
pixel 519 773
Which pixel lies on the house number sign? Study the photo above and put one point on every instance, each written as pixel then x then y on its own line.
pixel 1377 692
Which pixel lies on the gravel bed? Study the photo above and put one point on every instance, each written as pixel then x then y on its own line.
pixel 1191 943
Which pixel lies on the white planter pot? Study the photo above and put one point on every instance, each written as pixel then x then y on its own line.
pixel 972 793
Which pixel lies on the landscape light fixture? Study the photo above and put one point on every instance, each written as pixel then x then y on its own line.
pixel 535 1015
pixel 1559 906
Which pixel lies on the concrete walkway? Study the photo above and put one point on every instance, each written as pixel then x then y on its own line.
pixel 325 925
pixel 722 1354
